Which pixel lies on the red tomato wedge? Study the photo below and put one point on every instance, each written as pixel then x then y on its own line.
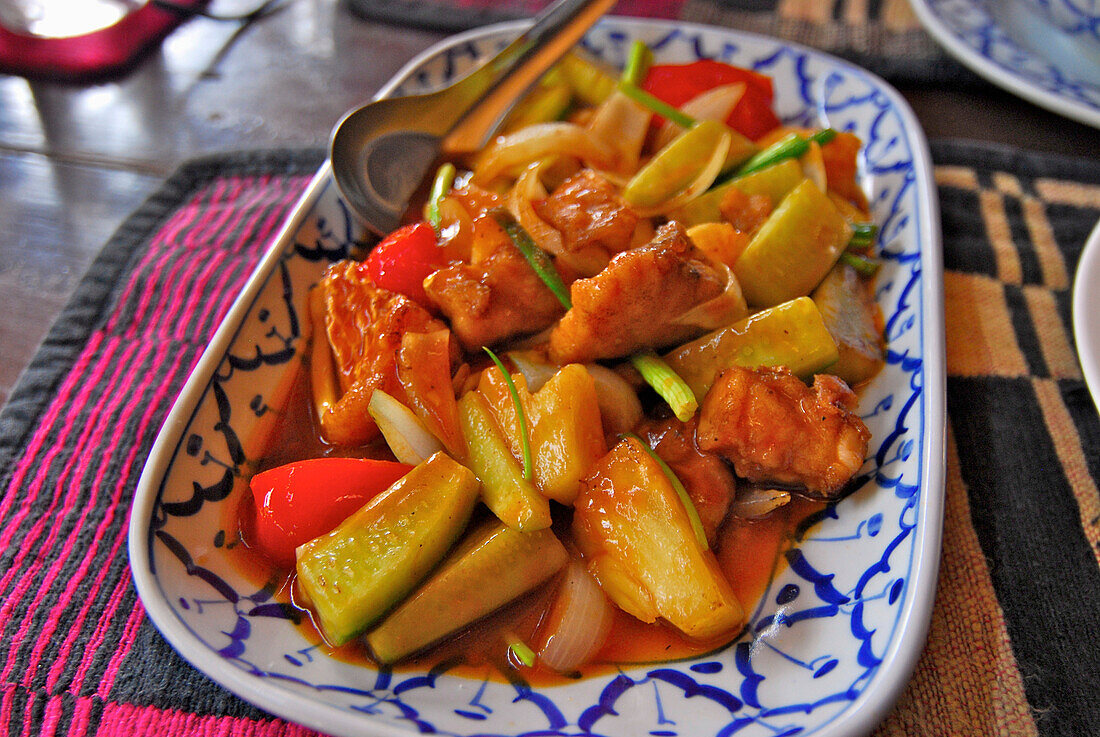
pixel 404 258
pixel 678 83
pixel 303 500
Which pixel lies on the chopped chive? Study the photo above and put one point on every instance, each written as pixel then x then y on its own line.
pixel 863 236
pixel 521 650
pixel 678 486
pixel 520 417
pixel 667 383
pixel 822 136
pixel 662 108
pixel 864 266
pixel 444 178
pixel 637 63
pixel 789 147
pixel 535 256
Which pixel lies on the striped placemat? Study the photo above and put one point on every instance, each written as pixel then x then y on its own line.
pixel 1011 649
pixel 883 36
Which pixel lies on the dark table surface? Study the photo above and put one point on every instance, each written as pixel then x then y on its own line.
pixel 76 159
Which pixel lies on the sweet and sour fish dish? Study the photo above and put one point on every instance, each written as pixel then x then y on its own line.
pixel 569 413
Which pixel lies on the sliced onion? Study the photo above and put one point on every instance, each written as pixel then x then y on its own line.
pixel 456 229
pixel 714 104
pixel 539 142
pixel 408 438
pixel 527 189
pixel 813 165
pixel 621 124
pixel 752 503
pixel 620 408
pixel 579 621
pixel 536 368
pixel 728 307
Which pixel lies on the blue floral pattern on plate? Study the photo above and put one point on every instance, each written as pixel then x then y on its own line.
pixel 834 638
pixel 1011 46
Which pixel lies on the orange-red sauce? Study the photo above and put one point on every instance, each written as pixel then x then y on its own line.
pixel 748 551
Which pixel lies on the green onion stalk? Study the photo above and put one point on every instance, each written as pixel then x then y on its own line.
pixel 525 440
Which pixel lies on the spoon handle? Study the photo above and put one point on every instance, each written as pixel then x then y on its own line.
pixel 504 78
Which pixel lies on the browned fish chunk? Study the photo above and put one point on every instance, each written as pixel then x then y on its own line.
pixel 364 325
pixel 775 429
pixel 588 213
pixel 495 297
pixel 634 303
pixel 708 480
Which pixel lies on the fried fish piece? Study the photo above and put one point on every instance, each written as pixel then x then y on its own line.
pixel 363 325
pixel 777 430
pixel 634 303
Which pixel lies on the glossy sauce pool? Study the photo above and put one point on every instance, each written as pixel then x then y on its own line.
pixel 749 552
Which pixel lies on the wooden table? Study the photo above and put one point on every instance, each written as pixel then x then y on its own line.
pixel 75 160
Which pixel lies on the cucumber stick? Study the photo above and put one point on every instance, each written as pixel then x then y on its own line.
pixel 791 334
pixel 490 568
pixel 794 249
pixel 359 571
pixel 513 499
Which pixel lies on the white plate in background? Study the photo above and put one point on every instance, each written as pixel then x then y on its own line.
pixel 1011 46
pixel 1086 313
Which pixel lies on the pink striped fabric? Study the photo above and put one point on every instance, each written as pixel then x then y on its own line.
pixel 75 637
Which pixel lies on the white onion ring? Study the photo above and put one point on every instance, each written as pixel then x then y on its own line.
pixel 725 309
pixel 620 408
pixel 755 503
pixel 405 433
pixel 537 142
pixel 813 165
pixel 535 367
pixel 578 623
pixel 528 188
pixel 622 124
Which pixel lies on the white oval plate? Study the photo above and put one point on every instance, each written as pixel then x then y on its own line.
pixel 834 639
pixel 1015 49
pixel 1086 313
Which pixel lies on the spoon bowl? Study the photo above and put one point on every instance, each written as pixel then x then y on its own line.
pixel 382 151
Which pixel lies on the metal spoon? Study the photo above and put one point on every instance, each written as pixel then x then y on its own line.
pixel 381 151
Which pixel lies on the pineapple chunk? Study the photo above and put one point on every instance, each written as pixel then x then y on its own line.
pixel 563 422
pixel 638 542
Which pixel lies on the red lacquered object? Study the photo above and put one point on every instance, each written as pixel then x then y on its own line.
pixel 98 53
